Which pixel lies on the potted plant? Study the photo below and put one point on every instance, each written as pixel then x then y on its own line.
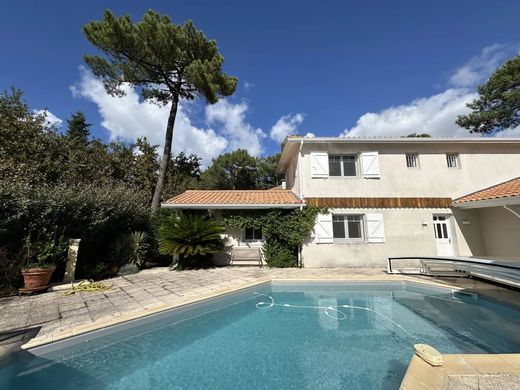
pixel 40 261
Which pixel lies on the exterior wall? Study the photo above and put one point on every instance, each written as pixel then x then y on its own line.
pixel 501 232
pixel 233 238
pixel 480 166
pixel 468 232
pixel 474 233
pixel 292 177
pixel 405 235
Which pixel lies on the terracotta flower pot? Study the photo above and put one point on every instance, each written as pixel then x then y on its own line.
pixel 36 279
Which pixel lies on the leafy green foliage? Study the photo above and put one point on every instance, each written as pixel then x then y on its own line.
pixel 418 135
pixel 165 60
pixel 10 277
pixel 139 248
pixel 238 170
pixel 78 129
pixel 46 249
pixel 498 105
pixel 29 148
pixel 267 172
pixel 191 236
pixel 96 214
pixel 283 231
pixel 183 174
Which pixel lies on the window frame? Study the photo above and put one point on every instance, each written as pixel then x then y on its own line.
pixel 452 158
pixel 342 167
pixel 415 160
pixel 254 231
pixel 346 239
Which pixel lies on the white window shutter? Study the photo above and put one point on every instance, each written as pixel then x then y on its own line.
pixel 319 164
pixel 323 229
pixel 375 228
pixel 370 164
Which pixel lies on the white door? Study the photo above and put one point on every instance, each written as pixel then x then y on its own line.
pixel 443 236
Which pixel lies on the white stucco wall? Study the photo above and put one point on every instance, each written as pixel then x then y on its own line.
pixel 501 232
pixel 405 235
pixel 480 166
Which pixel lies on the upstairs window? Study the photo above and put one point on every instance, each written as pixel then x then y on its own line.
pixel 411 160
pixel 347 227
pixel 452 159
pixel 253 234
pixel 344 165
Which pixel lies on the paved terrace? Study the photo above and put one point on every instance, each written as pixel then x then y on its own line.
pixel 52 316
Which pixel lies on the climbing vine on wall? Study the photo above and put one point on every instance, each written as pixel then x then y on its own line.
pixel 283 230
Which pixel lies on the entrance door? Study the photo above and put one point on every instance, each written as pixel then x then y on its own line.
pixel 443 236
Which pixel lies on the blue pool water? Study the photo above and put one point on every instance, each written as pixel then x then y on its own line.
pixel 314 336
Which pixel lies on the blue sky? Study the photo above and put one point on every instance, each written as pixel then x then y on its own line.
pixel 362 68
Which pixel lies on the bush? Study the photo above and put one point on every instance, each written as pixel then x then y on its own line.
pixel 10 276
pixel 97 214
pixel 284 231
pixel 192 237
pixel 279 255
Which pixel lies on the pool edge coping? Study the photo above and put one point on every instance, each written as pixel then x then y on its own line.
pixel 472 367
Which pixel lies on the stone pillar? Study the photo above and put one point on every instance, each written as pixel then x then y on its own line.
pixel 72 257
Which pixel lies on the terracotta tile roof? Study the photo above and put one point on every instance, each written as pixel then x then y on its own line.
pixel 503 190
pixel 235 197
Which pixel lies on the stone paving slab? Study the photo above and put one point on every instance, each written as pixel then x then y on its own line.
pixel 58 316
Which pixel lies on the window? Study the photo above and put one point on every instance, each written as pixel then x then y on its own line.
pixel 440 227
pixel 347 227
pixel 452 160
pixel 411 160
pixel 253 234
pixel 343 165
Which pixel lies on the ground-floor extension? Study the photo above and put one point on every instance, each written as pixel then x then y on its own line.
pixel 357 237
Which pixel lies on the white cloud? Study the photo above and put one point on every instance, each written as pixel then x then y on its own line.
pixel 436 114
pixel 50 118
pixel 285 126
pixel 480 67
pixel 310 135
pixel 232 118
pixel 129 118
pixel 248 85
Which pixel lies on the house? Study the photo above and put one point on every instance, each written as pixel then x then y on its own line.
pixel 391 197
pixel 218 200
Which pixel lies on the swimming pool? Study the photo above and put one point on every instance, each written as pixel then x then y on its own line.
pixel 273 336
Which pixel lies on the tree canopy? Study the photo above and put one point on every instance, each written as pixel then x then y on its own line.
pixel 498 106
pixel 165 60
pixel 238 170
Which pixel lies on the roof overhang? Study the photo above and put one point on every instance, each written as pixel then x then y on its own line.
pixel 496 202
pixel 229 206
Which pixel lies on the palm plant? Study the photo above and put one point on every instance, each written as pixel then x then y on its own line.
pixel 193 237
pixel 139 248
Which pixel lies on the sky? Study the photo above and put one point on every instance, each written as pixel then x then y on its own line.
pixel 329 68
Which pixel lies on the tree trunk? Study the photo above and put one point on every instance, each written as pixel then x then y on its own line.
pixel 156 201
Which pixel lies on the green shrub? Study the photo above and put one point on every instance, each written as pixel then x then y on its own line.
pixel 283 230
pixel 192 237
pixel 97 214
pixel 10 276
pixel 279 255
pixel 139 248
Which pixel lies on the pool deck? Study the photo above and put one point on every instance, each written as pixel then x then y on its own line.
pixel 30 321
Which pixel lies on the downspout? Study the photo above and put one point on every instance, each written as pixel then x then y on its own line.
pixel 300 179
pixel 513 211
